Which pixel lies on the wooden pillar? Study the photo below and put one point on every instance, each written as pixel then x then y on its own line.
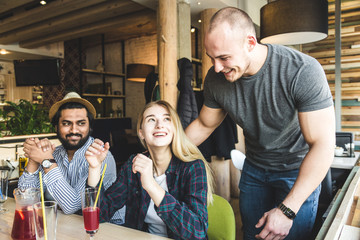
pixel 167 50
pixel 205 20
pixel 184 26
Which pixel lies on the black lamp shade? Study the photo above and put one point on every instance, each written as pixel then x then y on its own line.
pixel 138 72
pixel 291 22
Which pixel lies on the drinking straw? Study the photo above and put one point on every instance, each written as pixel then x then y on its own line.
pixel 102 178
pixel 43 206
pixel 2 197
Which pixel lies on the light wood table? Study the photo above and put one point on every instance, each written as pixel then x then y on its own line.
pixel 72 227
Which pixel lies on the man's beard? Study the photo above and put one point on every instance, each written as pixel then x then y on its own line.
pixel 69 146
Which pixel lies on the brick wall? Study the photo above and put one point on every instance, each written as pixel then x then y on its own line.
pixel 138 50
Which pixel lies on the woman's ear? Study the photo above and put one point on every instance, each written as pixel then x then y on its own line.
pixel 141 135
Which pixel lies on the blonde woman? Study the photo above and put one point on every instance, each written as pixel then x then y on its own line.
pixel 167 188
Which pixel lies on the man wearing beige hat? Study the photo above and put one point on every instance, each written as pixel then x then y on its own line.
pixel 64 168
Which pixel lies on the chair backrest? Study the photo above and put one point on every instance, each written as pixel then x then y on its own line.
pixel 237 158
pixel 221 220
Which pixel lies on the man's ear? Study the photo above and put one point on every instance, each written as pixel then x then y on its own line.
pixel 251 42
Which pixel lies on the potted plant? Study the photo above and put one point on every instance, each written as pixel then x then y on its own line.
pixel 25 118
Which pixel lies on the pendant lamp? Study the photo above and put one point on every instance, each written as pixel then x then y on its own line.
pixel 291 22
pixel 138 72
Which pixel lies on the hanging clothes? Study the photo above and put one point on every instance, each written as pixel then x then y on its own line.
pixel 187 106
pixel 151 87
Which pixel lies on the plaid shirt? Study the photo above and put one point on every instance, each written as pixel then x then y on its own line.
pixel 183 209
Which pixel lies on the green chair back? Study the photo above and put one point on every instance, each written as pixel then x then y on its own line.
pixel 221 220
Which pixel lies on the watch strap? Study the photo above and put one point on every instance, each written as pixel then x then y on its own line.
pixel 287 211
pixel 51 160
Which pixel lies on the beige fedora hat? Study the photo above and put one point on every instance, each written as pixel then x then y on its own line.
pixel 71 97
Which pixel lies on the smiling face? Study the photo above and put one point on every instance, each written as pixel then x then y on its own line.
pixel 73 128
pixel 229 52
pixel 157 128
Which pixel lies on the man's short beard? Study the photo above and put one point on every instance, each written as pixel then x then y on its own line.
pixel 66 144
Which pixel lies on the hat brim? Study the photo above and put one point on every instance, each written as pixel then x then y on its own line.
pixel 54 108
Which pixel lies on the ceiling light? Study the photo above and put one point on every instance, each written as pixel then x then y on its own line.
pixel 192 30
pixel 3 52
pixel 199 20
pixel 198 3
pixel 43 2
pixel 291 22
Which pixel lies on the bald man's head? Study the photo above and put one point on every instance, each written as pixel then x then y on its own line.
pixel 237 19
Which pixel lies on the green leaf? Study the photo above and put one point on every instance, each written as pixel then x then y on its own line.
pixel 25 118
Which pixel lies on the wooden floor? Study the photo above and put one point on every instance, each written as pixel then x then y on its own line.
pixel 234 202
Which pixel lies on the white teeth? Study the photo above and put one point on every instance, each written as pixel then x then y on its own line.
pixel 159 134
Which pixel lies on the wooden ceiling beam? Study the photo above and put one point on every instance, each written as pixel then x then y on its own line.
pixel 50 10
pixel 129 22
pixel 7 5
pixel 71 20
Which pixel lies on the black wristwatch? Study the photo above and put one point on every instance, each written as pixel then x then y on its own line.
pixel 287 211
pixel 47 163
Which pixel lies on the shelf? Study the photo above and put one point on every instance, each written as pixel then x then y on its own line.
pixel 103 73
pixel 108 91
pixel 102 95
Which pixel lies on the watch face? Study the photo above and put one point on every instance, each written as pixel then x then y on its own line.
pixel 46 163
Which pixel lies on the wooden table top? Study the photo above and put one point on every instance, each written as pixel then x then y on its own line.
pixel 72 227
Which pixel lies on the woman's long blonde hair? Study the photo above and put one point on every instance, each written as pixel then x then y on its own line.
pixel 181 146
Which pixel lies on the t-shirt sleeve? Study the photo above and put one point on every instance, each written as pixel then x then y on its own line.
pixel 311 89
pixel 209 85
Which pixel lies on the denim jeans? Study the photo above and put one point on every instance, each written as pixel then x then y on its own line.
pixel 261 191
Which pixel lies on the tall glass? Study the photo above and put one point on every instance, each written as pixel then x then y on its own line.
pixel 4 174
pixel 90 211
pixel 50 217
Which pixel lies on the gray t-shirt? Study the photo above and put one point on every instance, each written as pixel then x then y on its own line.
pixel 266 105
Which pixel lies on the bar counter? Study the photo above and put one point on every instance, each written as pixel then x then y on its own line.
pixel 72 227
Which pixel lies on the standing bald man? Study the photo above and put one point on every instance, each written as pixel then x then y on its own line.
pixel 281 99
